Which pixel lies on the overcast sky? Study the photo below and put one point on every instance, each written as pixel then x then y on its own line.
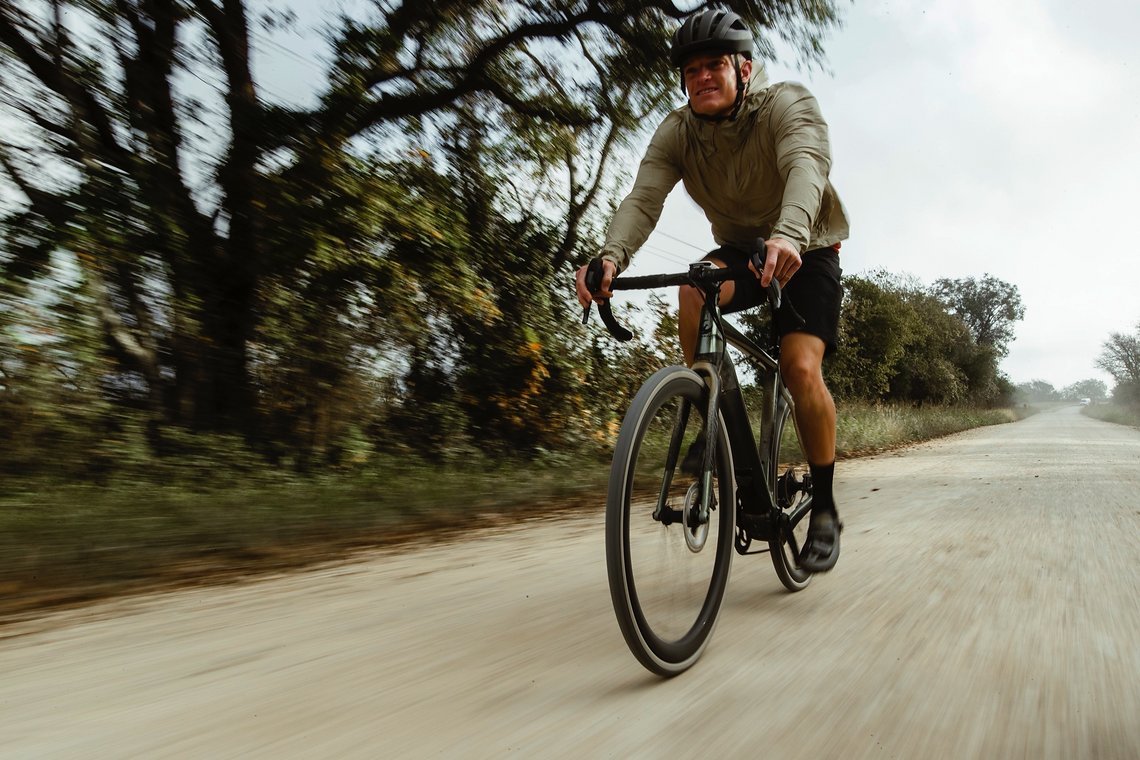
pixel 973 137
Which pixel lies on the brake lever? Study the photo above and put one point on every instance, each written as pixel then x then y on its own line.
pixel 594 272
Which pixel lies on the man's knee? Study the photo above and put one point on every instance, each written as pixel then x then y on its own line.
pixel 801 373
pixel 690 299
pixel 801 363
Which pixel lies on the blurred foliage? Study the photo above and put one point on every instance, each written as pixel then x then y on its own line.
pixel 1039 390
pixel 209 278
pixel 74 541
pixel 1124 408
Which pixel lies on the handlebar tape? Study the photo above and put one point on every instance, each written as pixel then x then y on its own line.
pixel 594 273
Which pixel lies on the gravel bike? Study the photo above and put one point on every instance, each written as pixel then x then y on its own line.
pixel 677 508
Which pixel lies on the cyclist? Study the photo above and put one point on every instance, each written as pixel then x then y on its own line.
pixel 755 158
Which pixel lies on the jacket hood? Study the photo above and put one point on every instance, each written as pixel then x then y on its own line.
pixel 759 78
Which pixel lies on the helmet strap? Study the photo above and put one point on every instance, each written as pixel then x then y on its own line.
pixel 739 88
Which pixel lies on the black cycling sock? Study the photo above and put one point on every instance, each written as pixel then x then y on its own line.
pixel 821 477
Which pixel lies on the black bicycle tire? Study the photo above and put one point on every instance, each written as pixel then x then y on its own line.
pixel 791 575
pixel 658 656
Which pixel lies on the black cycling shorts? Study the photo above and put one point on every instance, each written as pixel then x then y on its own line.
pixel 814 290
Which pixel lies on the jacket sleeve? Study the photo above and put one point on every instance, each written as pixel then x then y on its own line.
pixel 637 215
pixel 803 158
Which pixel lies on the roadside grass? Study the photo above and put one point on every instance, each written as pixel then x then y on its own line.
pixel 66 543
pixel 864 429
pixel 1121 414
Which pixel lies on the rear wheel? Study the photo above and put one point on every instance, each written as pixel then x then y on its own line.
pixel 668 567
pixel 788 470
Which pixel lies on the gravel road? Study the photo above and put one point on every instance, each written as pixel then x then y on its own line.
pixel 985 606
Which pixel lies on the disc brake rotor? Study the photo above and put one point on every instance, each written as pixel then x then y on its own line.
pixel 696 534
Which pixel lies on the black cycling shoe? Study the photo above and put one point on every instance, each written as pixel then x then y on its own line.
pixel 821 549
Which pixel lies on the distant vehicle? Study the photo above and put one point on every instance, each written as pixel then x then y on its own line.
pixel 1086 401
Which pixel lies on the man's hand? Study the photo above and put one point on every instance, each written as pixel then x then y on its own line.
pixel 585 298
pixel 782 261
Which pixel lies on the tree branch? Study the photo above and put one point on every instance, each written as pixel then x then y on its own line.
pixel 473 76
pixel 43 203
pixel 120 335
pixel 238 174
pixel 60 81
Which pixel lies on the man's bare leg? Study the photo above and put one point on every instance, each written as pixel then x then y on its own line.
pixel 801 365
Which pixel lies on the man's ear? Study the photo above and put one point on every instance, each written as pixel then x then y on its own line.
pixel 746 70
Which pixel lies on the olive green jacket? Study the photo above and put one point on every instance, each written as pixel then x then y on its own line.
pixel 761 174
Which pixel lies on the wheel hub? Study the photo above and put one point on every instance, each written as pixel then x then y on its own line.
pixel 696 532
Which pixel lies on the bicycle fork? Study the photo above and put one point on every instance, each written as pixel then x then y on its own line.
pixel 710 348
pixel 662 513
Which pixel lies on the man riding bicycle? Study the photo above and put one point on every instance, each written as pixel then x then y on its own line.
pixel 755 158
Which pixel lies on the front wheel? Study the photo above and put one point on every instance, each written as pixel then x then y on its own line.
pixel 788 472
pixel 667 554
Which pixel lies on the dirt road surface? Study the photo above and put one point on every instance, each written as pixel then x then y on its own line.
pixel 985 606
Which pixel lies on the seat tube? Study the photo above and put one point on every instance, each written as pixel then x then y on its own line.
pixel 710 340
pixel 771 387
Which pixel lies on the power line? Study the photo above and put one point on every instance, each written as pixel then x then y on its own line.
pixel 679 240
pixel 259 44
pixel 672 256
pixel 220 86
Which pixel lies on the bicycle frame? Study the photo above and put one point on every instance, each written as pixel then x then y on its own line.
pixel 755 478
pixel 715 366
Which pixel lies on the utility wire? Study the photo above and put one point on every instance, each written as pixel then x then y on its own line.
pixel 219 85
pixel 679 240
pixel 671 256
pixel 259 42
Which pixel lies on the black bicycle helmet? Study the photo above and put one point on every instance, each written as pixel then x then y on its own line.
pixel 710 31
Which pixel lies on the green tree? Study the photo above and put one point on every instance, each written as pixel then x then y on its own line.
pixel 940 355
pixel 1120 357
pixel 875 328
pixel 899 342
pixel 1092 389
pixel 1037 390
pixel 989 307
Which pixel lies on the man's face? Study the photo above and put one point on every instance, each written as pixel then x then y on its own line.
pixel 710 80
